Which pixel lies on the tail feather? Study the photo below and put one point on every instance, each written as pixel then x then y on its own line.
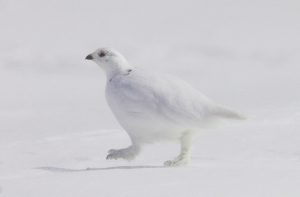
pixel 225 112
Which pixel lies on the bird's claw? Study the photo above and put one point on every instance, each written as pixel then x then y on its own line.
pixel 111 151
pixel 126 153
pixel 179 161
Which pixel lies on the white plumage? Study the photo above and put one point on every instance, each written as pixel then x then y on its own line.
pixel 153 107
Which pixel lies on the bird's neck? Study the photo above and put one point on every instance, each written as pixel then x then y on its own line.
pixel 118 69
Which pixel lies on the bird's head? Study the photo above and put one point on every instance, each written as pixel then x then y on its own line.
pixel 110 60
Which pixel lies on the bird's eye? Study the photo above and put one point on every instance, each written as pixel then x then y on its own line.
pixel 101 54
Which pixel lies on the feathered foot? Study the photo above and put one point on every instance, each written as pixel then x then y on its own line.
pixel 126 153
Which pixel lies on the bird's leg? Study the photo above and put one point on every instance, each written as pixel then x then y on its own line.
pixel 185 154
pixel 128 153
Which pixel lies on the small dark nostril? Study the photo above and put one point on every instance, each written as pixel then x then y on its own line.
pixel 89 57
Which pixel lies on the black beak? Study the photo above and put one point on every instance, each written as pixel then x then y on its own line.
pixel 89 57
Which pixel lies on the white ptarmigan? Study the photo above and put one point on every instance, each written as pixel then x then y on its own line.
pixel 153 107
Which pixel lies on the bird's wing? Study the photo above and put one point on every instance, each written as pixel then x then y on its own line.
pixel 165 96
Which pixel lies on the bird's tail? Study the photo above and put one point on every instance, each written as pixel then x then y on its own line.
pixel 225 112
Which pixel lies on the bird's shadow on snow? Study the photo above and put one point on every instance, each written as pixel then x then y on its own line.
pixel 59 169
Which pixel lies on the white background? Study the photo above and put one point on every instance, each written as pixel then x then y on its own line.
pixel 54 121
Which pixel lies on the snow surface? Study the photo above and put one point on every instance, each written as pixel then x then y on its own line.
pixel 55 126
